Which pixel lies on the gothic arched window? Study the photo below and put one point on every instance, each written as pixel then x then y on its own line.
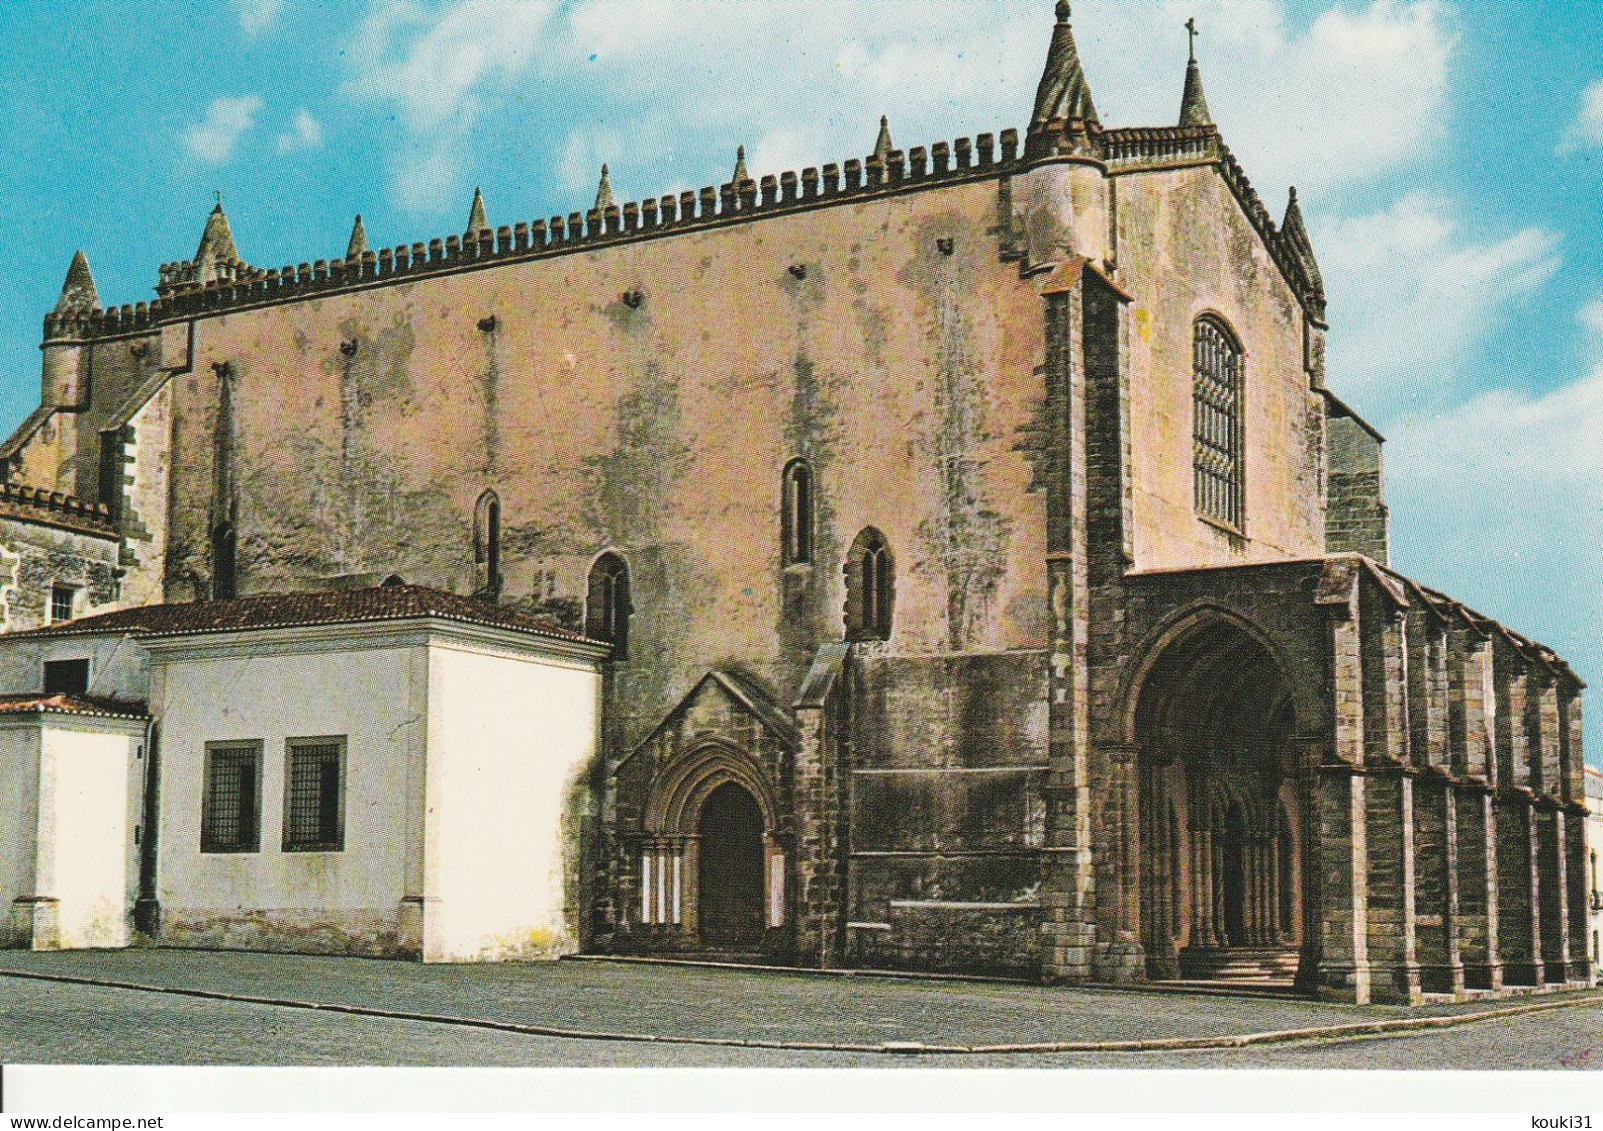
pixel 797 521
pixel 1218 453
pixel 487 545
pixel 607 605
pixel 870 588
pixel 223 565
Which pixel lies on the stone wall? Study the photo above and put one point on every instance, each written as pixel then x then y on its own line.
pixel 946 811
pixel 1356 517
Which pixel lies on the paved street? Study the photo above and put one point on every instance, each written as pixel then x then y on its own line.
pixel 45 1022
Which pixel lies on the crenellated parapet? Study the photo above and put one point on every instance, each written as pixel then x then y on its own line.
pixel 1285 252
pixel 235 285
pixel 53 508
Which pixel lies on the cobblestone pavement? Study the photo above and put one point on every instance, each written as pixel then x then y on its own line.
pixel 42 1022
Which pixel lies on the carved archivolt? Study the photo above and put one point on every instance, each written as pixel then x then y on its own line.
pixel 681 789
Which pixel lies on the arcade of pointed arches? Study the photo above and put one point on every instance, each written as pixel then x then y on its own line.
pixel 1221 799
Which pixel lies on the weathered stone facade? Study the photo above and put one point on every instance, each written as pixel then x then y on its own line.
pixel 937 653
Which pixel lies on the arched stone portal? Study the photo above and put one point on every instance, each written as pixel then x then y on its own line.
pixel 730 880
pixel 1221 860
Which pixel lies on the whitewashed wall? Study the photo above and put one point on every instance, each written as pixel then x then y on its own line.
pixel 89 804
pixel 19 820
pixel 118 665
pixel 337 902
pixel 70 799
pixel 510 743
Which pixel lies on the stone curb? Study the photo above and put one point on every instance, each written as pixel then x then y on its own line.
pixel 889 1048
pixel 1189 989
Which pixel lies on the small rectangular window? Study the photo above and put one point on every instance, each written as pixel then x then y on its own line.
pixel 66 677
pixel 61 602
pixel 230 819
pixel 314 795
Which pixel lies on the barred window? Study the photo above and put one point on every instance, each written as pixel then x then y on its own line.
pixel 1218 453
pixel 314 796
pixel 230 819
pixel 62 599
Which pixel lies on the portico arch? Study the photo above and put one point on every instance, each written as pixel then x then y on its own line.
pixel 1214 716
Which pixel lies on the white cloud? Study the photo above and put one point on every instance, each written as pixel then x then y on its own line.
pixel 305 132
pixel 1412 294
pixel 1356 92
pixel 432 66
pixel 437 66
pixel 257 16
pixel 1500 501
pixel 212 140
pixel 1591 317
pixel 1586 132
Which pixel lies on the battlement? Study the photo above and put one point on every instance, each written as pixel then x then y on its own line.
pixel 185 290
pixel 33 504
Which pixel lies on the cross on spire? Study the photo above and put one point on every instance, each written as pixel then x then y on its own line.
pixel 1192 32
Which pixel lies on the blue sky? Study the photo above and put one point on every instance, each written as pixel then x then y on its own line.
pixel 1449 155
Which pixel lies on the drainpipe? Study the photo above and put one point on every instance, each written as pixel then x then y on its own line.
pixel 147 910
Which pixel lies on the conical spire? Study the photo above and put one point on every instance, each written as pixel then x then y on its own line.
pixel 217 241
pixel 604 199
pixel 1295 235
pixel 1193 104
pixel 883 144
pixel 476 221
pixel 358 244
pixel 740 175
pixel 1063 95
pixel 78 294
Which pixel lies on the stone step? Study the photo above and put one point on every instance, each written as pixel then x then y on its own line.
pixel 1253 965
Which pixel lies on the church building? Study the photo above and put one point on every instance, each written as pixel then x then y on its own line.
pixel 954 559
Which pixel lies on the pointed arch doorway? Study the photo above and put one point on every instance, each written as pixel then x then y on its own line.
pixel 1221 861
pixel 730 869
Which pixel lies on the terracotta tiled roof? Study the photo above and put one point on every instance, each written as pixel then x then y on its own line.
pixel 70 705
pixel 299 610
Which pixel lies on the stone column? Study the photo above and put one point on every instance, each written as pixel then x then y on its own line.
pixel 1552 912
pixel 816 904
pixel 1202 929
pixel 1339 828
pixel 1519 932
pixel 1471 706
pixel 1119 956
pixel 1436 879
pixel 1582 968
pixel 1478 904
pixel 1068 887
pixel 1392 922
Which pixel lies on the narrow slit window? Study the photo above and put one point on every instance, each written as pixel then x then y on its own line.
pixel 797 529
pixel 224 544
pixel 487 545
